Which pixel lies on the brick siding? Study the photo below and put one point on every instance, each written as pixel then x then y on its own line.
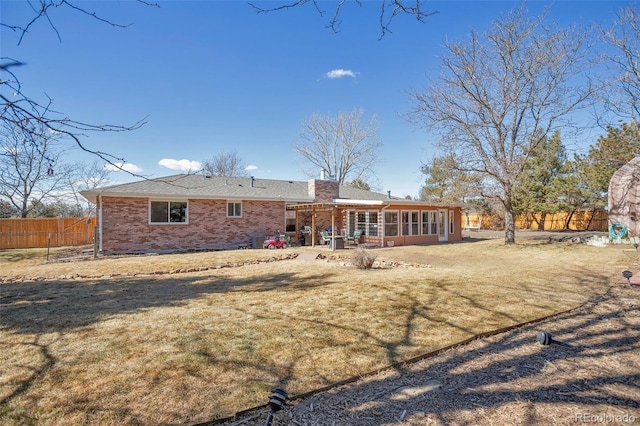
pixel 126 228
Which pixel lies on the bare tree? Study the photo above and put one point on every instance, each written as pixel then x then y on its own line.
pixel 22 111
pixel 226 164
pixel 27 165
pixel 345 147
pixel 624 36
pixel 389 10
pixel 85 177
pixel 498 98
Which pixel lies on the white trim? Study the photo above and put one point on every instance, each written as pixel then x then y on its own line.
pixel 91 195
pixel 359 202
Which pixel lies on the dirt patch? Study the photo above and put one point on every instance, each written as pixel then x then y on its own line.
pixel 591 376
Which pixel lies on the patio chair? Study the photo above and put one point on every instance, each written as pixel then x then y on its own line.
pixel 355 238
pixel 325 237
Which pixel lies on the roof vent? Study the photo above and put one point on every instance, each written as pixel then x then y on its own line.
pixel 389 194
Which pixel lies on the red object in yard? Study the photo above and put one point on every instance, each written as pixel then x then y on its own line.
pixel 280 241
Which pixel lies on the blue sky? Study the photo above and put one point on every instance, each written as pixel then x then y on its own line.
pixel 212 76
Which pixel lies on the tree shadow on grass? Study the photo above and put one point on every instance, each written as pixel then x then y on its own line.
pixel 59 305
pixel 54 307
pixel 461 384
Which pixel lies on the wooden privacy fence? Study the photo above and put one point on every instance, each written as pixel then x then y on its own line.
pixel 580 220
pixel 58 232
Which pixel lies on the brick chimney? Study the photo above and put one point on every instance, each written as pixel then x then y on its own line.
pixel 324 191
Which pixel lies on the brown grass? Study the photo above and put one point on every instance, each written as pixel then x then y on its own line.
pixel 190 347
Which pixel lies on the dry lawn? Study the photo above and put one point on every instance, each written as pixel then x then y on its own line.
pixel 130 346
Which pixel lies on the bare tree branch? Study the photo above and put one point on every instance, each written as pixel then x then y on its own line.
pixel 22 111
pixel 225 164
pixel 345 147
pixel 624 37
pixel 389 10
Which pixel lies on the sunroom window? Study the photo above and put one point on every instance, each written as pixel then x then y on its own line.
pixel 391 224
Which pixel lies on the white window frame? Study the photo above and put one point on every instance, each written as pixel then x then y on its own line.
pixel 424 218
pixel 452 227
pixel 397 223
pixel 368 226
pixel 373 224
pixel 414 225
pixel 168 202
pixel 433 222
pixel 235 215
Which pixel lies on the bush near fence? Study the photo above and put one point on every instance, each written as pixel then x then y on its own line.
pixel 581 220
pixel 41 232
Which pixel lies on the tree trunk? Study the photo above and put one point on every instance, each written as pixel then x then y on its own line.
pixel 543 217
pixel 568 222
pixel 591 216
pixel 509 222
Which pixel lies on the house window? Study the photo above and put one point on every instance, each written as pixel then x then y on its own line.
pixel 451 227
pixel 372 228
pixel 433 222
pixel 390 224
pixel 289 221
pixel 168 212
pixel 366 221
pixel 410 224
pixel 425 222
pixel 234 209
pixel 405 223
pixel 361 221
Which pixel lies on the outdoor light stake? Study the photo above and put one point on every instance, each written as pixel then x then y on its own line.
pixel 545 338
pixel 276 402
pixel 627 275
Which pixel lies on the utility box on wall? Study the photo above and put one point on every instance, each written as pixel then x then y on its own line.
pixel 257 241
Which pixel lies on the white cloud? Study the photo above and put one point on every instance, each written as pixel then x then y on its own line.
pixel 339 73
pixel 251 167
pixel 123 167
pixel 184 165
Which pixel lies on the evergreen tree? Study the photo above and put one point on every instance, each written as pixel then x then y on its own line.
pixel 538 189
pixel 610 152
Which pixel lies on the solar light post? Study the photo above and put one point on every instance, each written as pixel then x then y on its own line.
pixel 276 402
pixel 545 338
pixel 627 275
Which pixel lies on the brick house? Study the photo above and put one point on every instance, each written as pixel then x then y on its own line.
pixel 196 212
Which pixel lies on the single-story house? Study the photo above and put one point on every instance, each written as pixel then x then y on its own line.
pixel 624 198
pixel 197 212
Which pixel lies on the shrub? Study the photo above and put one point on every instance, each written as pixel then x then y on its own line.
pixel 363 258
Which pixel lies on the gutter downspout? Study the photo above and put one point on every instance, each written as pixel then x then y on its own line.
pixel 100 223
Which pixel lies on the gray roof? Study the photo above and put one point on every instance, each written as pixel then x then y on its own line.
pixel 220 187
